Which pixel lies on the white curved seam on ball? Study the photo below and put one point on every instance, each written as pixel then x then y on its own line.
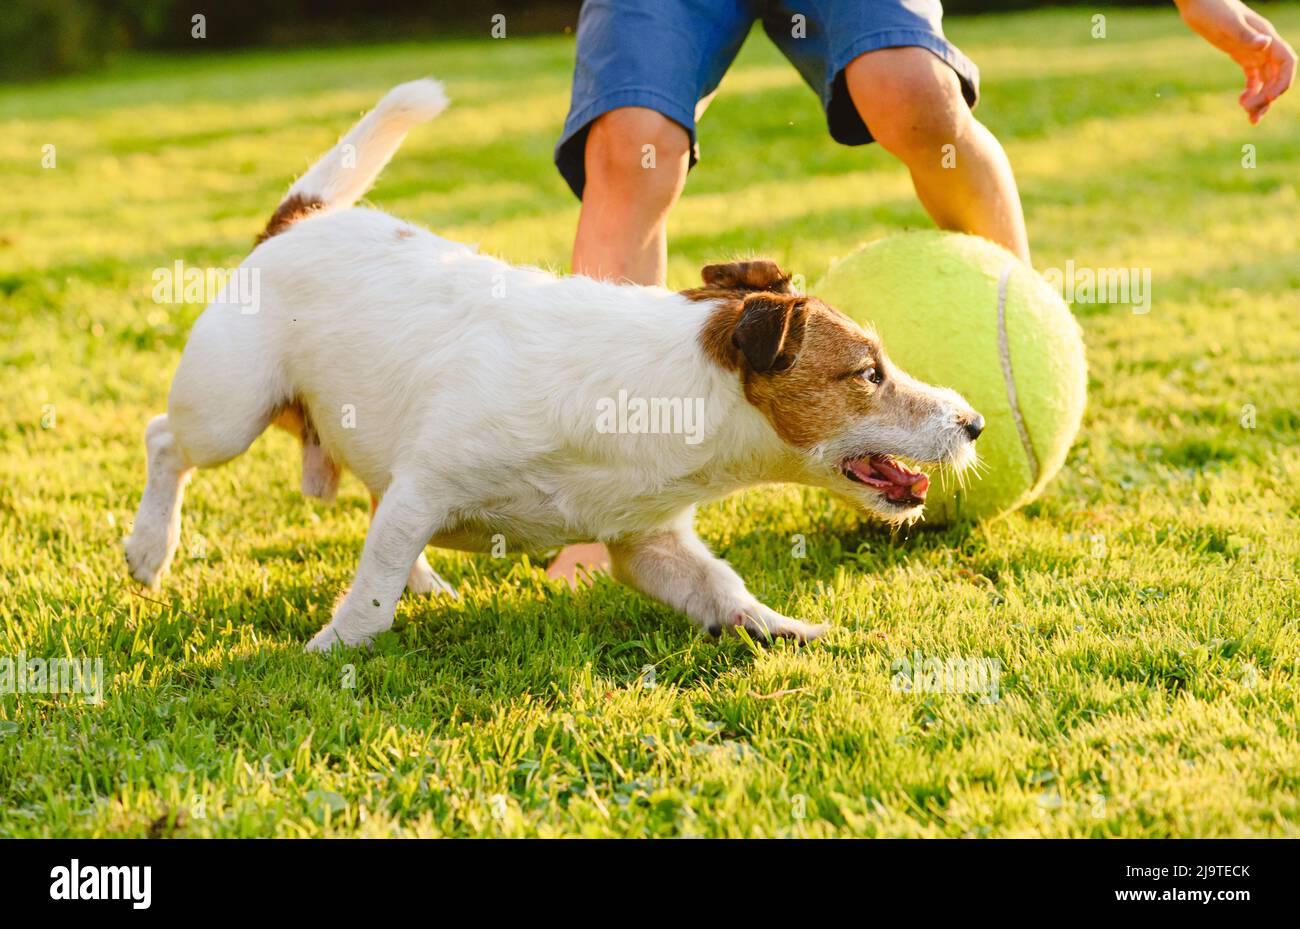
pixel 1004 355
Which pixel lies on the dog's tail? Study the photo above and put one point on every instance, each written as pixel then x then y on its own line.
pixel 348 169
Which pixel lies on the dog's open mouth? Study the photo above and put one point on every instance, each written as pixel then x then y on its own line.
pixel 898 483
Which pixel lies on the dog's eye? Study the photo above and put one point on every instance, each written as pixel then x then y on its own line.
pixel 872 375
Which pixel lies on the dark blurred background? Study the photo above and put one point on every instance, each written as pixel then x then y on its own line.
pixel 41 37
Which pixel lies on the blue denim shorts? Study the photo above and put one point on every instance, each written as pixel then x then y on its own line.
pixel 667 55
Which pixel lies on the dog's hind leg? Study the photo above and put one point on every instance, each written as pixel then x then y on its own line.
pixel 157 529
pixel 222 398
pixel 173 454
pixel 422 579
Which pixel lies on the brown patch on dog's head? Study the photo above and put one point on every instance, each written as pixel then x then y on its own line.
pixel 796 356
pixel 292 209
pixel 827 388
pixel 767 322
pixel 801 364
pixel 759 332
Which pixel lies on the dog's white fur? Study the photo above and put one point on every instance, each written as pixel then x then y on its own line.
pixel 464 393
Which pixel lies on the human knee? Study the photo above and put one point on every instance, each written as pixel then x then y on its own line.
pixel 911 101
pixel 638 150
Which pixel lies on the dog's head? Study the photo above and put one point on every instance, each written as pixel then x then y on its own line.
pixel 824 383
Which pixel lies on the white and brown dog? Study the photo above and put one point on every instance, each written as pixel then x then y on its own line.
pixel 465 394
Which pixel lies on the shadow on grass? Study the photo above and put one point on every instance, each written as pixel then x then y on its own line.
pixel 512 635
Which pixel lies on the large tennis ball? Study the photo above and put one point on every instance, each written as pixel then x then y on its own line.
pixel 961 312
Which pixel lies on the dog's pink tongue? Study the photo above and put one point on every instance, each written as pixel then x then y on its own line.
pixel 903 482
pixel 915 490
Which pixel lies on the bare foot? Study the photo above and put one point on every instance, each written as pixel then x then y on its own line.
pixel 576 563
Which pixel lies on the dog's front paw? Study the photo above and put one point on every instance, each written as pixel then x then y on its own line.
pixel 356 621
pixel 766 624
pixel 324 640
pixel 783 627
pixel 332 637
pixel 424 580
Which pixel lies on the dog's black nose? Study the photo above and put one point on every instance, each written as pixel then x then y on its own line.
pixel 974 427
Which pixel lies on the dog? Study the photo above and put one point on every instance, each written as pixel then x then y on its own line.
pixel 464 393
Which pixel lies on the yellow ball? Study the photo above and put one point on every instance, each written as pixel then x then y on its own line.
pixel 961 312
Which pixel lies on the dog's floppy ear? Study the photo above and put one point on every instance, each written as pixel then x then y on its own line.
pixel 758 275
pixel 770 331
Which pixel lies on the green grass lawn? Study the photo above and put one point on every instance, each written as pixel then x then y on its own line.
pixel 1143 611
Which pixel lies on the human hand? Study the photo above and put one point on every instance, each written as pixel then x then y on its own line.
pixel 1251 41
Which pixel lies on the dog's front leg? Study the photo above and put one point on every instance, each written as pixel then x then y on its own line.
pixel 403 523
pixel 675 568
pixel 422 579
